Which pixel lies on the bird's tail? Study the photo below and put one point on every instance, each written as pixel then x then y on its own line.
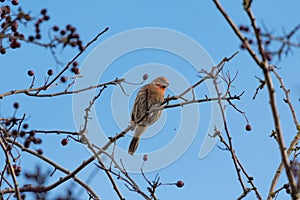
pixel 139 130
pixel 133 145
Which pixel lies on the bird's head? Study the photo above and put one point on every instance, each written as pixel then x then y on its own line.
pixel 161 82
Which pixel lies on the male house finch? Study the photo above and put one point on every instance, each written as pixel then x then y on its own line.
pixel 148 100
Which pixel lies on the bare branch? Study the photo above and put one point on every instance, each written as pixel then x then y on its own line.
pixel 266 70
pixel 11 170
pixel 56 166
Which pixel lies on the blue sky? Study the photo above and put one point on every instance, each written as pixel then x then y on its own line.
pixel 212 177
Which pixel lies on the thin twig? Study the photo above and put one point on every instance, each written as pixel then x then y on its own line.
pixel 219 69
pixel 265 68
pixel 293 142
pixel 75 57
pixel 90 146
pixel 55 165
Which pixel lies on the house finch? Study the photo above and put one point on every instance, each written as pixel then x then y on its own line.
pixel 145 110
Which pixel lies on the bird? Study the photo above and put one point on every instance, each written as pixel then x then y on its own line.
pixel 146 110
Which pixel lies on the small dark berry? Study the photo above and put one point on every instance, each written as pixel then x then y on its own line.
pixel 27 143
pixel 77 36
pixel 21 36
pixel 145 77
pixel 14 26
pixel 7 122
pixel 13 44
pixel 50 72
pixel 39 151
pixel 14 2
pixel 44 11
pixel 72 29
pixel 32 133
pixel 18 170
pixel 248 127
pixel 286 186
pixel 31 38
pixel 3 51
pixel 55 28
pixel 180 184
pixel 30 72
pixel 16 105
pixel 243 46
pixel 64 141
pixel 22 134
pixel 68 27
pixel 37 141
pixel 17 44
pixel 46 17
pixel 63 79
pixel 75 64
pixel 25 126
pixel 145 157
pixel 62 32
pixel 38 36
pixel 14 120
pixel 242 27
pixel 75 70
pixel 14 132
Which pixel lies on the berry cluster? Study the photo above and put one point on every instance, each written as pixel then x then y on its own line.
pixel 29 135
pixel 75 68
pixel 10 30
pixel 17 169
pixel 37 25
pixel 13 2
pixel 287 188
pixel 10 26
pixel 266 43
pixel 30 139
pixel 68 37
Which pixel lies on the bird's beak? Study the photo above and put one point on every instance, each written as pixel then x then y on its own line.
pixel 164 85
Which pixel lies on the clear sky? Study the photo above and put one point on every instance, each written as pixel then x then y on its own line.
pixel 179 26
